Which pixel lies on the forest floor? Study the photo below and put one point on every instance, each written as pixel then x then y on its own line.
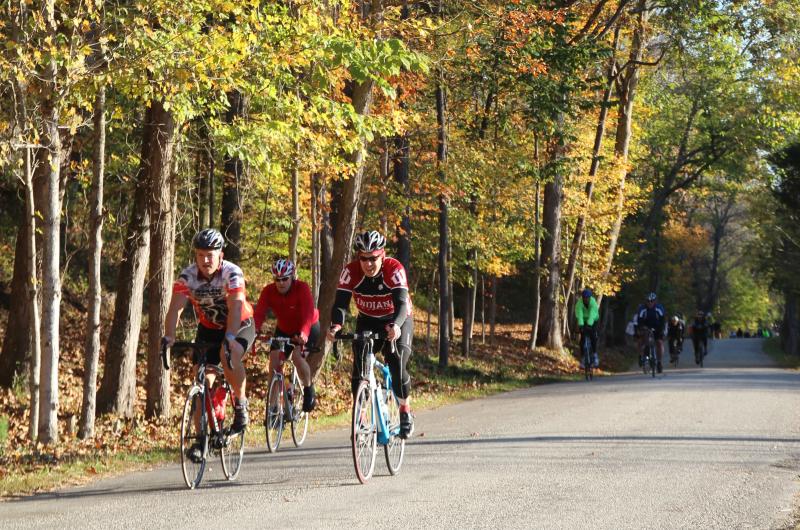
pixel 121 445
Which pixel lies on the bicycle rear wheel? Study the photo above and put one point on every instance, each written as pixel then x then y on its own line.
pixel 299 418
pixel 273 418
pixel 653 360
pixel 191 436
pixel 232 451
pixel 363 434
pixel 396 446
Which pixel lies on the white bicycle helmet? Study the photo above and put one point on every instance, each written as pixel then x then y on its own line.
pixel 370 241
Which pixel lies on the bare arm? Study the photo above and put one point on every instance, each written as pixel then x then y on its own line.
pixel 176 305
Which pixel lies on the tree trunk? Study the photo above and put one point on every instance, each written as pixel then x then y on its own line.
pixel 205 177
pixel 627 94
pixel 345 225
pixel 577 238
pixel 549 321
pixel 118 387
pixel 31 305
pixel 92 345
pixel 295 209
pixel 231 204
pixel 50 166
pixel 316 240
pixel 16 343
pixel 537 269
pixel 444 243
pixel 401 176
pixel 493 308
pixel 162 241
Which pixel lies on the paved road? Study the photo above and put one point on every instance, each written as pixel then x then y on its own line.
pixel 717 447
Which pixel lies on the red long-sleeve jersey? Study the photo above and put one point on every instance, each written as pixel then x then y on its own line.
pixel 294 310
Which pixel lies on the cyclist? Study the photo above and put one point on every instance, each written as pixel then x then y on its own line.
pixel 297 318
pixel 675 332
pixel 380 289
pixel 588 314
pixel 216 289
pixel 699 332
pixel 651 315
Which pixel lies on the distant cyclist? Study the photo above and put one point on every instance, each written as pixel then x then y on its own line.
pixel 379 287
pixel 675 333
pixel 651 315
pixel 587 314
pixel 297 318
pixel 216 289
pixel 699 331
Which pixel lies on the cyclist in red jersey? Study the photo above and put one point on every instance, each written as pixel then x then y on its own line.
pixel 379 287
pixel 216 289
pixel 297 318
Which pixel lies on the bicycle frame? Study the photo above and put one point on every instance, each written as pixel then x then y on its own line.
pixel 368 366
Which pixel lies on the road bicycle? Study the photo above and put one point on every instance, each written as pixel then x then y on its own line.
pixel 376 410
pixel 586 352
pixel 675 350
pixel 284 401
pixel 700 351
pixel 207 417
pixel 649 357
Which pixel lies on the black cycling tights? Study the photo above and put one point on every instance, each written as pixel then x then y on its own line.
pixel 397 361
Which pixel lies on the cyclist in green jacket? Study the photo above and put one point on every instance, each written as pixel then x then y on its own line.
pixel 587 313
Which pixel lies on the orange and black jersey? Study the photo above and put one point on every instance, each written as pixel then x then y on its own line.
pixel 384 296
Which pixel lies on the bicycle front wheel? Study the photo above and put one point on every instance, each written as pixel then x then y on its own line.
pixel 653 361
pixel 273 419
pixel 363 434
pixel 396 447
pixel 232 450
pixel 299 418
pixel 194 441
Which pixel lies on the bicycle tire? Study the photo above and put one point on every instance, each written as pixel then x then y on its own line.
pixel 702 354
pixel 299 418
pixel 193 471
pixel 395 448
pixel 273 415
pixel 653 360
pixel 364 436
pixel 587 358
pixel 232 451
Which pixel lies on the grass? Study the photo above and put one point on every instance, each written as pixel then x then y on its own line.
pixel 772 347
pixel 46 476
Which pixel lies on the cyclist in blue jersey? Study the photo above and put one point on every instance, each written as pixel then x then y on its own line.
pixel 651 315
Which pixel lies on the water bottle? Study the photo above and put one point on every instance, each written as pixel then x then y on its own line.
pixel 218 399
pixel 290 394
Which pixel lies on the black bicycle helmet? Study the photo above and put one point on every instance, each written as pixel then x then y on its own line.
pixel 370 241
pixel 208 239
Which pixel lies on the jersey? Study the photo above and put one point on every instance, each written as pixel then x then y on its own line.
pixel 209 296
pixel 375 297
pixel 652 317
pixel 587 315
pixel 294 311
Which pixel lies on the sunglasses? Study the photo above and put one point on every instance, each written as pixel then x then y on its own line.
pixel 284 279
pixel 370 258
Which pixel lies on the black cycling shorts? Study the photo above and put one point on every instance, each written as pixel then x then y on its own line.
pixel 245 336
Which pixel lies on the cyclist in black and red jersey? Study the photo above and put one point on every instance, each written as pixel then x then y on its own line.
pixel 379 287
pixel 297 318
pixel 216 289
